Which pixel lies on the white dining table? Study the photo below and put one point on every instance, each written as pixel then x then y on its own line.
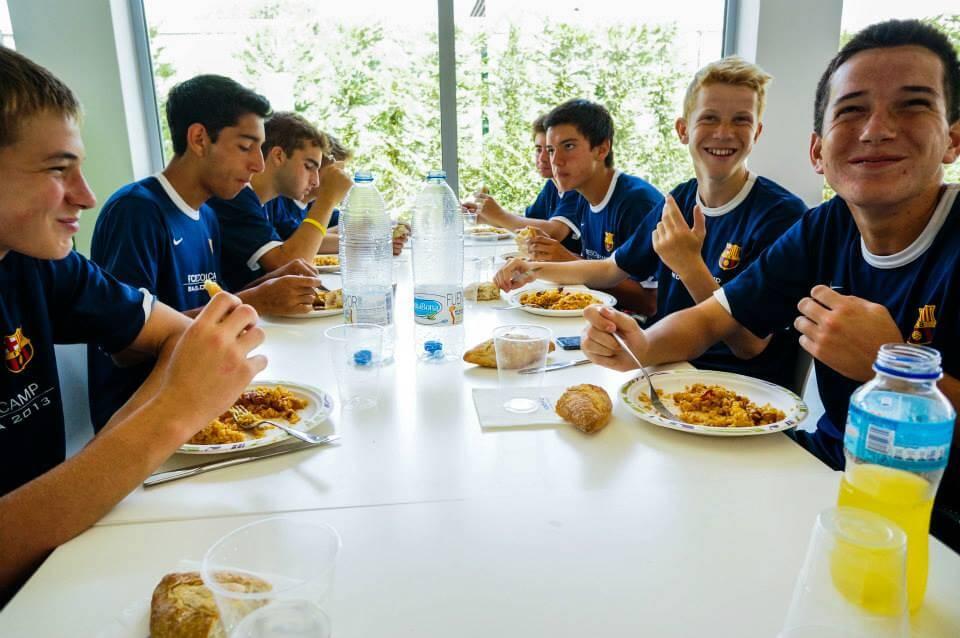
pixel 453 530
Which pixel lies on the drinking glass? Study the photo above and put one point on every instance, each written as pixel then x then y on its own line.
pixel 519 347
pixel 853 581
pixel 356 351
pixel 269 577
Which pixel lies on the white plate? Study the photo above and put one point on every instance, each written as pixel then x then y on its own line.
pixel 480 235
pixel 514 300
pixel 313 314
pixel 319 407
pixel 757 390
pixel 328 269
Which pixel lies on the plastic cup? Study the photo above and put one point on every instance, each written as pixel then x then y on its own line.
pixel 292 563
pixel 519 347
pixel 853 581
pixel 476 271
pixel 356 353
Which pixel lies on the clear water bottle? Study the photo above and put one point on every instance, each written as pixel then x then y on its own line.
pixel 896 444
pixel 437 271
pixel 366 259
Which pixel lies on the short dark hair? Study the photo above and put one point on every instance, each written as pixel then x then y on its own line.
pixel 538 125
pixel 29 89
pixel 895 33
pixel 291 131
pixel 592 120
pixel 212 100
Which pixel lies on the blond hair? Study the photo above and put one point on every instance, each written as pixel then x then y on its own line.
pixel 732 70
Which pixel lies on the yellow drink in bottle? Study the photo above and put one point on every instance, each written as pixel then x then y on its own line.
pixel 907 500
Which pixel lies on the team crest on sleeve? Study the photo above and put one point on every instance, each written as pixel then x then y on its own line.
pixel 608 242
pixel 730 257
pixel 17 351
pixel 926 323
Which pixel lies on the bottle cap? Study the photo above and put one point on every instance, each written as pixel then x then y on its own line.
pixel 908 361
pixel 362 357
pixel 362 176
pixel 437 175
pixel 433 347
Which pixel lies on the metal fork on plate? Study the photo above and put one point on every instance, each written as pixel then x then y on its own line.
pixel 654 397
pixel 247 420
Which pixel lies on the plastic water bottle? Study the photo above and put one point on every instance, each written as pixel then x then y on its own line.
pixel 366 259
pixel 896 443
pixel 437 271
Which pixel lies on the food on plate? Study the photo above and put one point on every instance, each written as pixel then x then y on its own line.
pixel 520 355
pixel 212 287
pixel 326 260
pixel 714 405
pixel 183 607
pixel 328 299
pixel 262 402
pixel 485 229
pixel 483 291
pixel 558 299
pixel 586 406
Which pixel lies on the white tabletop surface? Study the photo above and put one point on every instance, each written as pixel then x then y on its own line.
pixel 450 530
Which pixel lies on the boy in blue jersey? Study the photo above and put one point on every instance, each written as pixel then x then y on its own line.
pixel 50 294
pixel 159 233
pixel 555 240
pixel 293 151
pixel 712 226
pixel 878 263
pixel 611 207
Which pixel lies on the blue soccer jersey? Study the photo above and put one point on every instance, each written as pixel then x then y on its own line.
pixel 737 234
pixel 545 203
pixel 43 302
pixel 918 286
pixel 148 237
pixel 247 236
pixel 287 214
pixel 606 226
pixel 551 203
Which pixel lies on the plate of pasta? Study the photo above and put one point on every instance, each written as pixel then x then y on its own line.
pixel 714 403
pixel 326 263
pixel 559 301
pixel 300 406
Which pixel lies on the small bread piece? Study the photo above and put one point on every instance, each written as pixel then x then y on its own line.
pixel 487 291
pixel 183 607
pixel 400 231
pixel 586 406
pixel 485 355
pixel 212 287
pixel 522 238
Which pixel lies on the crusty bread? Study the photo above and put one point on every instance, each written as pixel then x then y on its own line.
pixel 522 237
pixel 483 291
pixel 485 355
pixel 586 406
pixel 183 607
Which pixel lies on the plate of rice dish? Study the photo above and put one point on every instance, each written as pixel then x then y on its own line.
pixel 484 232
pixel 559 301
pixel 715 403
pixel 327 263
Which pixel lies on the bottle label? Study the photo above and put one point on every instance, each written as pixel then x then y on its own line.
pixel 915 446
pixel 438 308
pixel 376 309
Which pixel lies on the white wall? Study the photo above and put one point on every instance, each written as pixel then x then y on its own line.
pixel 793 41
pixel 88 44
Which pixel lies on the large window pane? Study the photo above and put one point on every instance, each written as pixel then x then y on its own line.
pixel 516 60
pixel 6 29
pixel 944 14
pixel 366 73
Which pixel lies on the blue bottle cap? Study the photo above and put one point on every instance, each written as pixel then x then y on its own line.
pixel 362 357
pixel 433 347
pixel 363 176
pixel 437 175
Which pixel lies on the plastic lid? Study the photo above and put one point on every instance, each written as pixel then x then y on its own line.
pixel 362 357
pixel 437 175
pixel 908 361
pixel 433 346
pixel 363 176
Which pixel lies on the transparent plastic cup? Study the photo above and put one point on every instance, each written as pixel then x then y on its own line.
pixel 356 353
pixel 519 347
pixel 476 271
pixel 853 581
pixel 270 577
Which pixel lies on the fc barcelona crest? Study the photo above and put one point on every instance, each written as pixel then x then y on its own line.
pixel 18 351
pixel 730 257
pixel 926 323
pixel 608 242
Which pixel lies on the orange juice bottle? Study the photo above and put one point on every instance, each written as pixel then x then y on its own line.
pixel 898 433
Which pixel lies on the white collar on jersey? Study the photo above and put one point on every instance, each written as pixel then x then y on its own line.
pixel 176 199
pixel 733 203
pixel 606 198
pixel 921 243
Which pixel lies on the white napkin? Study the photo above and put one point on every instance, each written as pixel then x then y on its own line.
pixel 491 413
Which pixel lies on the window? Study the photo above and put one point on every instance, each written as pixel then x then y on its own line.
pixel 516 60
pixel 6 29
pixel 944 14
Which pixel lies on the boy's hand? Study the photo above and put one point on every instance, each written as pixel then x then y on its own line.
pixel 679 246
pixel 601 348
pixel 516 273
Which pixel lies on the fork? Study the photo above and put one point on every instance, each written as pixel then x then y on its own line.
pixel 654 397
pixel 251 420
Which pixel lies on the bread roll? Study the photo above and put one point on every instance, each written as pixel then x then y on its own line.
pixel 586 406
pixel 183 607
pixel 485 355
